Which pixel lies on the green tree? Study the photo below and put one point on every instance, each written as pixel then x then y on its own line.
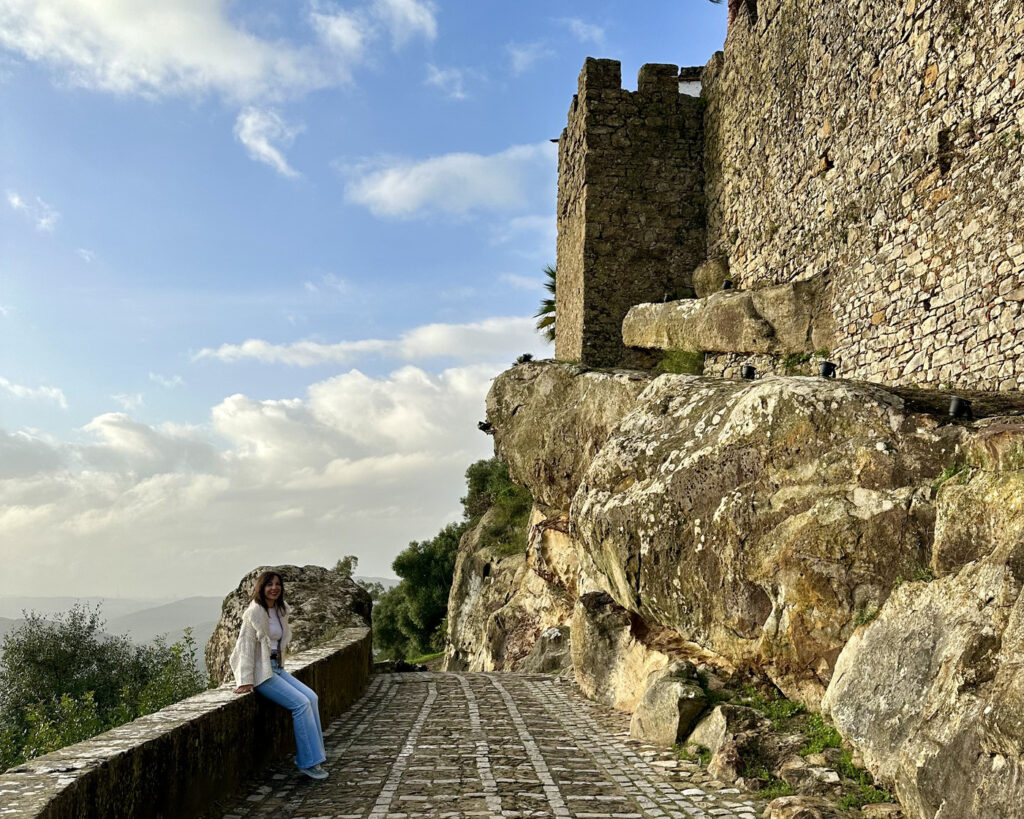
pixel 546 314
pixel 409 619
pixel 63 680
pixel 347 565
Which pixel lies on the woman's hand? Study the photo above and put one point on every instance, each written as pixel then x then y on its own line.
pixel 243 689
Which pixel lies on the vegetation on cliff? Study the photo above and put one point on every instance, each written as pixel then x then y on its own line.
pixel 62 680
pixel 409 619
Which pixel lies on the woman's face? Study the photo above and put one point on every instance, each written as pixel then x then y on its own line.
pixel 272 589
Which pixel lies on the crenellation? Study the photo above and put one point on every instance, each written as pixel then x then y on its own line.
pixel 630 206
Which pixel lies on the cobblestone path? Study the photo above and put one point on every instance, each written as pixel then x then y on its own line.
pixel 487 745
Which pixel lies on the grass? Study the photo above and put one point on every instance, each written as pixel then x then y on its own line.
pixel 703 755
pixel 681 362
pixel 865 615
pixel 775 788
pixel 948 474
pixel 778 709
pixel 820 735
pixel 922 574
pixel 425 658
pixel 865 792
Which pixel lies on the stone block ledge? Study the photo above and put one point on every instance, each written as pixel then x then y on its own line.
pixel 178 760
pixel 772 320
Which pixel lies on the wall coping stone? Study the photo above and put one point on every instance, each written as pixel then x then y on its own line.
pixel 175 761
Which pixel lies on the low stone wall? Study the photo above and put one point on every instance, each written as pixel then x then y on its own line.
pixel 176 761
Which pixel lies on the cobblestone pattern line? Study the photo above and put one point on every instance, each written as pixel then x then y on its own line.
pixel 486 746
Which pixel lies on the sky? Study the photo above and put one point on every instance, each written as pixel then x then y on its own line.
pixel 259 262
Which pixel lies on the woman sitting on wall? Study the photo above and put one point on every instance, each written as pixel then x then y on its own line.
pixel 257 662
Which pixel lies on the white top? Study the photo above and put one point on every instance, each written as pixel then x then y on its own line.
pixel 276 629
pixel 250 661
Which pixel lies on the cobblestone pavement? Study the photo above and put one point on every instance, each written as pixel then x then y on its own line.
pixel 487 745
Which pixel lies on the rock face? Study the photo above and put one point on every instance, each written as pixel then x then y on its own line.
pixel 785 529
pixel 930 693
pixel 753 519
pixel 551 420
pixel 611 662
pixel 501 605
pixel 323 603
pixel 670 706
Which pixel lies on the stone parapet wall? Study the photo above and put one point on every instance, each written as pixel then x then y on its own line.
pixel 176 761
pixel 879 144
pixel 630 206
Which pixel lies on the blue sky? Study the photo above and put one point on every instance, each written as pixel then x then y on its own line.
pixel 259 261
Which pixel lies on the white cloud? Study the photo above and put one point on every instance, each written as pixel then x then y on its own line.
pixel 170 47
pixel 167 382
pixel 454 183
pixel 524 56
pixel 523 282
pixel 264 134
pixel 583 31
pixel 43 215
pixel 358 465
pixel 51 394
pixel 5 310
pixel 344 34
pixel 487 340
pixel 406 19
pixel 128 402
pixel 85 255
pixel 451 81
pixel 329 281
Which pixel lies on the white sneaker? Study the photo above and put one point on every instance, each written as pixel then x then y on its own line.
pixel 315 772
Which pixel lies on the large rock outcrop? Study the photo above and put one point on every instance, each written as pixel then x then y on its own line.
pixel 754 519
pixel 323 603
pixel 501 604
pixel 930 693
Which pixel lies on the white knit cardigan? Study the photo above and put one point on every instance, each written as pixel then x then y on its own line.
pixel 250 659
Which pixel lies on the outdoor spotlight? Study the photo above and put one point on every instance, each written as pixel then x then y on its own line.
pixel 959 407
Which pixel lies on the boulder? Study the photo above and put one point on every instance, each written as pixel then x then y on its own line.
pixel 808 780
pixel 323 603
pixel 776 320
pixel 671 704
pixel 930 693
pixel 708 277
pixel 725 724
pixel 610 662
pixel 550 419
pixel 551 654
pixel 757 519
pixel 798 807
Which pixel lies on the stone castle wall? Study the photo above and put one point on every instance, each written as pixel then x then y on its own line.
pixel 630 206
pixel 874 146
pixel 878 144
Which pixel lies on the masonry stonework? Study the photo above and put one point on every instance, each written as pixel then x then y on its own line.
pixel 631 221
pixel 873 147
pixel 878 145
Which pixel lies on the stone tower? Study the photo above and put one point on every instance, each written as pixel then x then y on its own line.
pixel 631 217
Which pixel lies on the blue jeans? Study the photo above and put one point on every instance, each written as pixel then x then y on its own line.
pixel 301 700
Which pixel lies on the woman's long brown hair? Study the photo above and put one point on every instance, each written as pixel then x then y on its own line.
pixel 260 584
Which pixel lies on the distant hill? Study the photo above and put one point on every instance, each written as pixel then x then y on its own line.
pixel 171 619
pixel 111 607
